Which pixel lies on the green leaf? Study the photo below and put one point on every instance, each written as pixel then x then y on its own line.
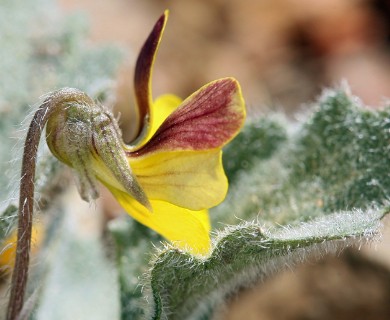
pixel 259 139
pixel 322 188
pixel 347 147
pixel 133 242
pixel 185 287
pixel 337 159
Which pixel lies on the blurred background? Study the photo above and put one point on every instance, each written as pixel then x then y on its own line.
pixel 283 52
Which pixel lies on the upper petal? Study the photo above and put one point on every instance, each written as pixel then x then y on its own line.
pixel 208 119
pixel 143 76
pixel 162 107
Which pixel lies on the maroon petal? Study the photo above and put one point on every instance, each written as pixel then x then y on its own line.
pixel 143 71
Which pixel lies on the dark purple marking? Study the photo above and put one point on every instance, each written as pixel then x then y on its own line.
pixel 143 70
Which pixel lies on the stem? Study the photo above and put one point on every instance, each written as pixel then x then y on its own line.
pixel 56 100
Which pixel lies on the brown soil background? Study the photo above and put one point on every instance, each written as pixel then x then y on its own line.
pixel 283 52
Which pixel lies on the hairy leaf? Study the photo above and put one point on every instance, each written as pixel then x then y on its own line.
pixel 322 188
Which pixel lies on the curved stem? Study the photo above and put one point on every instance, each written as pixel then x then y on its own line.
pixel 26 196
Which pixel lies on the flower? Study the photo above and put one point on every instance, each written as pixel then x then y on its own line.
pixel 8 247
pixel 172 172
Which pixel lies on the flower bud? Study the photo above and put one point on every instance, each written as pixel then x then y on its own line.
pixel 86 137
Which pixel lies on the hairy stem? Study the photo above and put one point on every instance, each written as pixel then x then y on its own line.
pixel 54 101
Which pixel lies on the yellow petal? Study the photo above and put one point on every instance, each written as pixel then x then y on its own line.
pixel 190 179
pixel 8 247
pixel 186 229
pixel 162 107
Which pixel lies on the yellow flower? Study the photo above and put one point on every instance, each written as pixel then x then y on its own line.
pixel 8 247
pixel 173 171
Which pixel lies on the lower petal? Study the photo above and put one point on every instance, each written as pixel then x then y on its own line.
pixel 190 179
pixel 186 229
